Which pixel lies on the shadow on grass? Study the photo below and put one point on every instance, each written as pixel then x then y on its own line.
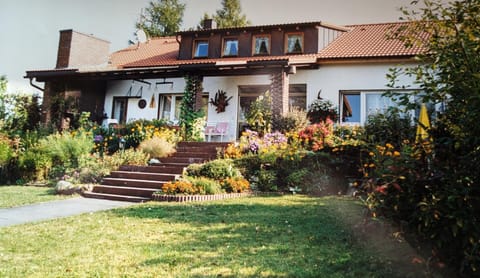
pixel 292 236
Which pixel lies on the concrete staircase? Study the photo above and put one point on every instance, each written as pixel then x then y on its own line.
pixel 138 183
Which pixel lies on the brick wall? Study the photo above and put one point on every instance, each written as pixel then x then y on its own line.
pixel 79 50
pixel 279 92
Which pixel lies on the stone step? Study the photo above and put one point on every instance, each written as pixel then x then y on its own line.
pixel 143 176
pixel 138 183
pixel 202 144
pixel 126 191
pixel 133 183
pixel 184 160
pixel 203 155
pixel 157 168
pixel 115 197
pixel 199 149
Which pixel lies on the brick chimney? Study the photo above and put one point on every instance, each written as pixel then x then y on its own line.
pixel 79 50
pixel 209 24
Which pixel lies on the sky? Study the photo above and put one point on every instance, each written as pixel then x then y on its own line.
pixel 29 29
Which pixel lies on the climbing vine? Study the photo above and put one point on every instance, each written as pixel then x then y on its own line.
pixel 188 113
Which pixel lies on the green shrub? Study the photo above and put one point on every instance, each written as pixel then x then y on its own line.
pixel 157 147
pixel 320 110
pixel 65 149
pixel 266 180
pixel 194 169
pixel 296 177
pixel 390 127
pixel 294 120
pixel 219 169
pixel 5 151
pixel 205 185
pixel 260 116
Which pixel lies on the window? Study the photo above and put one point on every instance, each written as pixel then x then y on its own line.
pixel 297 96
pixel 294 43
pixel 351 108
pixel 355 107
pixel 119 110
pixel 261 45
pixel 201 49
pixel 170 106
pixel 230 47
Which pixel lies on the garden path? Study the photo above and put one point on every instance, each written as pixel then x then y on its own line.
pixel 55 209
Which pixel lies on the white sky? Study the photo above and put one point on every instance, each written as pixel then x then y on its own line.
pixel 29 28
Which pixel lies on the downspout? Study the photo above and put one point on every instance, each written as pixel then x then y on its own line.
pixel 36 86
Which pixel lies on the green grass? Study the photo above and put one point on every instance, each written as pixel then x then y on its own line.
pixel 12 196
pixel 289 236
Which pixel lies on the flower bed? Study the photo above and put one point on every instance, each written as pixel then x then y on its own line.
pixel 197 198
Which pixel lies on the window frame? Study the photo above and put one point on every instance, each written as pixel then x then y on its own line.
pixel 196 44
pixel 269 47
pixel 224 44
pixel 302 42
pixel 363 103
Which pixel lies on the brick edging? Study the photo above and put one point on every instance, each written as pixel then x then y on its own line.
pixel 197 198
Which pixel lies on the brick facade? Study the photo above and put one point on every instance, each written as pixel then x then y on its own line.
pixel 279 92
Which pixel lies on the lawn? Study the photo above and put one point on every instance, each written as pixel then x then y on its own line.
pixel 12 196
pixel 283 236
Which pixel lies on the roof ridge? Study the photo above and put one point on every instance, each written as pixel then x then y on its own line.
pixel 380 23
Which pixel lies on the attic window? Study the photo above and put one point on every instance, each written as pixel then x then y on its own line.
pixel 294 43
pixel 261 45
pixel 230 47
pixel 201 49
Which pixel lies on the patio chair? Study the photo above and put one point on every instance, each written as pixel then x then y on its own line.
pixel 220 129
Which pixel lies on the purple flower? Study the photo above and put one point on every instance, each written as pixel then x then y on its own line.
pixel 98 138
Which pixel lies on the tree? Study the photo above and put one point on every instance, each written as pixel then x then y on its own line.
pixel 161 18
pixel 449 75
pixel 230 15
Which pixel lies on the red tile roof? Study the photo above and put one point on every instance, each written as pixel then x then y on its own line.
pixel 160 50
pixel 371 41
pixel 361 41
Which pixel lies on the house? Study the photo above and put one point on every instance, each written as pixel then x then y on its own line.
pixel 296 62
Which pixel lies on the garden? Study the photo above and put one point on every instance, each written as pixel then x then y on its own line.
pixel 427 187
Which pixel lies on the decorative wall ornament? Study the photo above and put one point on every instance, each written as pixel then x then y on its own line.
pixel 142 103
pixel 152 101
pixel 221 101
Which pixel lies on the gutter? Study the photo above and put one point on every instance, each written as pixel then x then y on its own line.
pixel 36 86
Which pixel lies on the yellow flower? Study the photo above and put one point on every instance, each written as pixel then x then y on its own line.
pixel 389 146
pixel 388 153
pixel 371 165
pixel 371 154
pixel 396 153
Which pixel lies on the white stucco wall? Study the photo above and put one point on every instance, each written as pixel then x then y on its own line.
pixel 121 88
pixel 330 79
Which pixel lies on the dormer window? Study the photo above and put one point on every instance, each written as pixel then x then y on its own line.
pixel 261 45
pixel 200 49
pixel 294 43
pixel 230 47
